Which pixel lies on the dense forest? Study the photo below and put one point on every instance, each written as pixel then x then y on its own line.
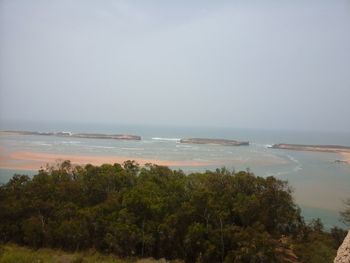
pixel 153 211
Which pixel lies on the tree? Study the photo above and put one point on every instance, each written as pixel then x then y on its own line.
pixel 215 216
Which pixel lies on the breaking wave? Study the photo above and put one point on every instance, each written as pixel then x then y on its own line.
pixel 70 142
pixel 42 144
pixel 132 149
pixel 166 139
pixel 291 158
pixel 100 147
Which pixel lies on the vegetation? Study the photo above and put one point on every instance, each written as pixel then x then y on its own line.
pixel 13 253
pixel 345 214
pixel 153 211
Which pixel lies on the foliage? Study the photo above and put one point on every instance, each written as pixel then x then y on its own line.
pixel 153 211
pixel 13 253
pixel 345 214
pixel 316 245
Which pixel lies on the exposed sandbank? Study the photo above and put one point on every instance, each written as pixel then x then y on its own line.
pixel 24 160
pixel 344 151
pixel 312 148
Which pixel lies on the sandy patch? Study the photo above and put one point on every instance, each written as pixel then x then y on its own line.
pixel 24 160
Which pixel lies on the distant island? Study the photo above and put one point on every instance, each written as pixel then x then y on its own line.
pixel 224 142
pixel 313 148
pixel 342 150
pixel 107 136
pixel 79 135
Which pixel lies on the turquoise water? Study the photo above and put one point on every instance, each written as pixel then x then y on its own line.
pixel 320 185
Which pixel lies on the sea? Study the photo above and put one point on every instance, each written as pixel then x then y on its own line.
pixel 320 185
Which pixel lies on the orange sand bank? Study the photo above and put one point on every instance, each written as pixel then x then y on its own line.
pixel 35 160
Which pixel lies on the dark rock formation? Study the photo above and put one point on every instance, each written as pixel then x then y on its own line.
pixel 106 136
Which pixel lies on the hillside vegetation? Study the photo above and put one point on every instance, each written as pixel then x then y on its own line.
pixel 153 211
pixel 11 253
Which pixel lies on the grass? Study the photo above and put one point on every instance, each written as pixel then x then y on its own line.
pixel 10 253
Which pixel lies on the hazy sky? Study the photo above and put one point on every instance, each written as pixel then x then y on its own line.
pixel 249 64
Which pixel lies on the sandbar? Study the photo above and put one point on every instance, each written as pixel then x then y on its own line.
pixel 312 148
pixel 26 160
pixel 344 151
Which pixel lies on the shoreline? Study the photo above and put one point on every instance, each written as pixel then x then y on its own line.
pixel 26 160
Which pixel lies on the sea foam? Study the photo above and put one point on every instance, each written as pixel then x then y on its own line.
pixel 166 139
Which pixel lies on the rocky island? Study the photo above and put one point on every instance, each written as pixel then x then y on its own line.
pixel 79 135
pixel 223 142
pixel 107 136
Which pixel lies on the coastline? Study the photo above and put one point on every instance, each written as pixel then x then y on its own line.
pixel 26 160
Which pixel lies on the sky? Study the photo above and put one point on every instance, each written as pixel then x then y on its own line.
pixel 245 63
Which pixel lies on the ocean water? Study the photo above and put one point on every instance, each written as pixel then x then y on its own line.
pixel 320 185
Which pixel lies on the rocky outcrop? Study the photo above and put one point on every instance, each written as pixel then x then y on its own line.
pixel 224 142
pixel 106 136
pixel 343 254
pixel 80 135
